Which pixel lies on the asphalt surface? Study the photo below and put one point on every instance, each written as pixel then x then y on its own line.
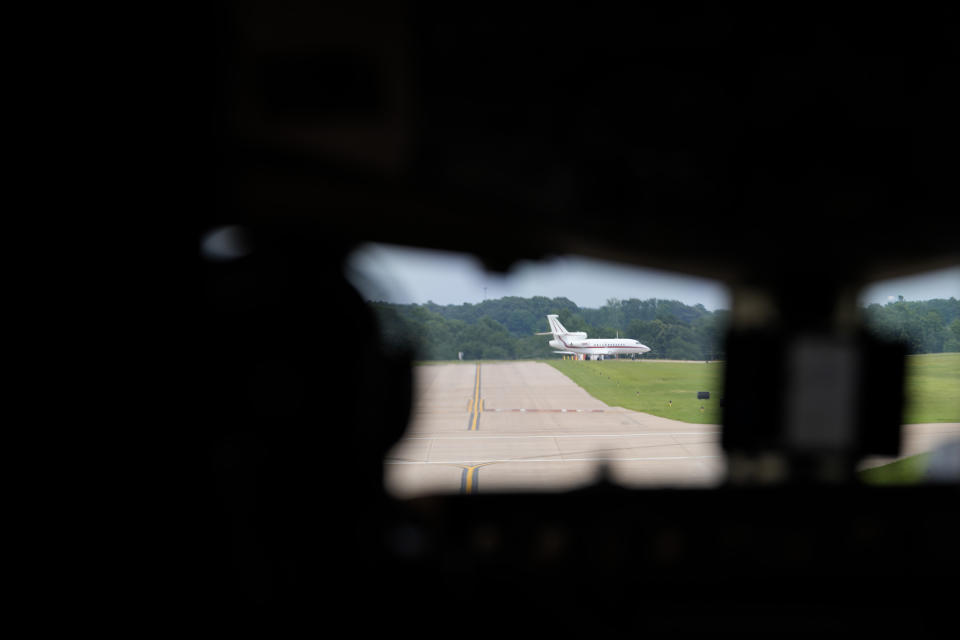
pixel 525 426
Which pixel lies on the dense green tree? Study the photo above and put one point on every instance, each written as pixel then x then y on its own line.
pixel 505 328
pixel 952 342
pixel 923 326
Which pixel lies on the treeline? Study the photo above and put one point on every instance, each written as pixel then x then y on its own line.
pixel 504 328
pixel 929 326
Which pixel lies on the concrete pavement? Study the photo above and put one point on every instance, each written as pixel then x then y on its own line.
pixel 525 426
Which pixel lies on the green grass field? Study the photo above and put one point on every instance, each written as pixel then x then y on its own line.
pixel 669 389
pixel 933 388
pixel 905 471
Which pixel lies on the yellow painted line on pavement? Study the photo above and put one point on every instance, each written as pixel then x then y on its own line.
pixel 468 480
pixel 477 403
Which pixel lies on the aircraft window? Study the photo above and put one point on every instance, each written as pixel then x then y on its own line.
pixel 922 312
pixel 500 408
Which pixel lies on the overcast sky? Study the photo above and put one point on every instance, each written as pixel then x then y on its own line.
pixel 404 275
pixel 944 283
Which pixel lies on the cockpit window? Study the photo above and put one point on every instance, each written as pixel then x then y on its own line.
pixel 548 377
pixel 531 380
pixel 922 312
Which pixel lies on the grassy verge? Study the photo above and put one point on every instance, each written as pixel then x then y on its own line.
pixel 902 472
pixel 666 389
pixel 932 388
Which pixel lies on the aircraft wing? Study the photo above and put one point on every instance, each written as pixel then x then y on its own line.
pixel 566 353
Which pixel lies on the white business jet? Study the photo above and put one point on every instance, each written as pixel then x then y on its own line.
pixel 576 343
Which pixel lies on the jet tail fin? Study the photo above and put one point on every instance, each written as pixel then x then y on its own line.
pixel 556 328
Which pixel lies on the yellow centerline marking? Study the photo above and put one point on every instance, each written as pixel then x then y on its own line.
pixel 477 404
pixel 468 481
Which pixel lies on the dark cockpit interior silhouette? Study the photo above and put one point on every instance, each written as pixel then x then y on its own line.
pixel 794 158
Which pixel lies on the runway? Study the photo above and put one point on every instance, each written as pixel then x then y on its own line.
pixel 524 426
